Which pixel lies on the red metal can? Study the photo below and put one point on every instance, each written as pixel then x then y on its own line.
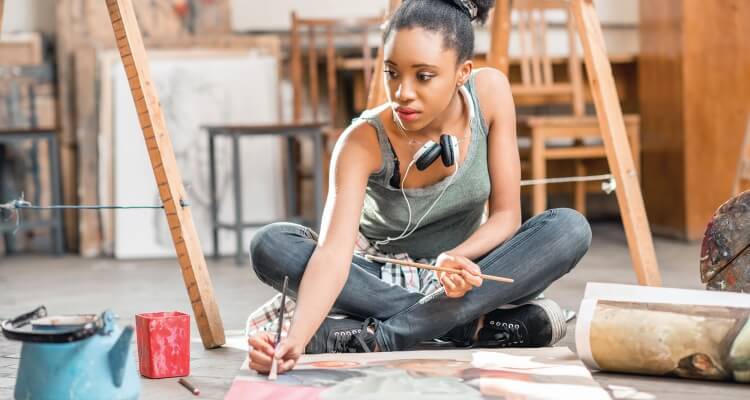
pixel 163 344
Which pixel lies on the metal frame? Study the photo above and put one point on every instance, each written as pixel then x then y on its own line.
pixel 290 132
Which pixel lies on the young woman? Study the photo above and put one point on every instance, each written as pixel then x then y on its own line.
pixel 389 195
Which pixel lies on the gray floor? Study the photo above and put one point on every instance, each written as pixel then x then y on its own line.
pixel 75 285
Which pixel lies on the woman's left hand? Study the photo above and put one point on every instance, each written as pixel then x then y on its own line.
pixel 457 284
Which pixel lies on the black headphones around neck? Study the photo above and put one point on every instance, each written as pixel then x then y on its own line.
pixel 447 150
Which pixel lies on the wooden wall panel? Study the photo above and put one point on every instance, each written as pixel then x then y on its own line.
pixel 717 100
pixel 694 99
pixel 660 89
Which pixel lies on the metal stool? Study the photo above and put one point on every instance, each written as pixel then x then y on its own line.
pixel 314 131
pixel 54 223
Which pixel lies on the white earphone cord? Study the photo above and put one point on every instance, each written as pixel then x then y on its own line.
pixel 408 207
pixel 406 233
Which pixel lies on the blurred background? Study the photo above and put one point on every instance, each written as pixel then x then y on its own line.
pixel 69 132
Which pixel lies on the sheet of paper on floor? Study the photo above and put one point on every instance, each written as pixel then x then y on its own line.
pixel 541 373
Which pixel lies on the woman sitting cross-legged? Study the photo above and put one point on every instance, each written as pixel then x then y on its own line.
pixel 410 180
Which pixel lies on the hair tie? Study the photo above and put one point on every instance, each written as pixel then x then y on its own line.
pixel 470 7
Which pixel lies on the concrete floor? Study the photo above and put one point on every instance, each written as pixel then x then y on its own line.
pixel 74 285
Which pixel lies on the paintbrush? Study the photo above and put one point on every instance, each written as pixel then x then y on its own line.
pixel 274 363
pixel 433 268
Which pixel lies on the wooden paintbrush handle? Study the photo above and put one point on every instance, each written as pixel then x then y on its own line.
pixel 433 268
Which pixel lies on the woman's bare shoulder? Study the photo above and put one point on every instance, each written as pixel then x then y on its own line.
pixel 359 144
pixel 492 90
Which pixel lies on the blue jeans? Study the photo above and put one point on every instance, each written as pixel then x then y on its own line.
pixel 544 249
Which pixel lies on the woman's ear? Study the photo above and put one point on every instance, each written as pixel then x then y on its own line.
pixel 464 72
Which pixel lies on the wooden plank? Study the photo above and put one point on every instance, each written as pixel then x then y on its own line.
pixel 619 154
pixel 377 94
pixel 66 22
pixel 331 77
pixel 86 124
pixel 497 57
pixel 743 165
pixel 296 68
pixel 567 153
pixel 185 237
pixel 22 49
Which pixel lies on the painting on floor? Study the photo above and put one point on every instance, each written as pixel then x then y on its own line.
pixel 518 374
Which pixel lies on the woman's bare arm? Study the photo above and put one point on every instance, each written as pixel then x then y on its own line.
pixel 352 162
pixel 504 166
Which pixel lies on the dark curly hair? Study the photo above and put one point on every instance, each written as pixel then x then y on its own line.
pixel 451 18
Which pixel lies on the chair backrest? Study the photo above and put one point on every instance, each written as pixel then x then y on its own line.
pixel 537 78
pixel 333 30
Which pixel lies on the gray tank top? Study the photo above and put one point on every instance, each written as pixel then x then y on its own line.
pixel 452 220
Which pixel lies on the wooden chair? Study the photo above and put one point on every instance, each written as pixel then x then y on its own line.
pixel 335 44
pixel 359 58
pixel 575 136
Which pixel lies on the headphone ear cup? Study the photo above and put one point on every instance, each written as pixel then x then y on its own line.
pixel 427 155
pixel 449 146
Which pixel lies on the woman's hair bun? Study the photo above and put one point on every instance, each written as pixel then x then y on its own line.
pixel 482 8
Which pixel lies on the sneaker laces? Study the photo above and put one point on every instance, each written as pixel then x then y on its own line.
pixel 508 333
pixel 344 341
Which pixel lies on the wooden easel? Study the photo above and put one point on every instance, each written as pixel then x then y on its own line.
pixel 164 164
pixel 612 125
pixel 167 173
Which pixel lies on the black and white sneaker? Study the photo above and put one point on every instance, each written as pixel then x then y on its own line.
pixel 534 324
pixel 343 336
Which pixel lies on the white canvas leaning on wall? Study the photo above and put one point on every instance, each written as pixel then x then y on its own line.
pixel 196 90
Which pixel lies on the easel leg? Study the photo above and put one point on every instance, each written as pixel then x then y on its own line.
pixel 619 156
pixel 167 173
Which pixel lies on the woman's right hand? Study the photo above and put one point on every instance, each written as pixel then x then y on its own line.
pixel 262 351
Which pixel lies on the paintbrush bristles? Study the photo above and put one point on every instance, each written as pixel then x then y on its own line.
pixel 433 268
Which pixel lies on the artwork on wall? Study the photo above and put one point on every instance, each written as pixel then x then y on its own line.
pixel 195 88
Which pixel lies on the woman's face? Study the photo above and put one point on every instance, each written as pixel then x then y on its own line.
pixel 421 76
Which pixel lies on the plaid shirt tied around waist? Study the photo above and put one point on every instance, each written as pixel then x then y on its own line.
pixel 266 317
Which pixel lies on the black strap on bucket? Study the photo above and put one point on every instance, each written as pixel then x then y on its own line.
pixel 11 329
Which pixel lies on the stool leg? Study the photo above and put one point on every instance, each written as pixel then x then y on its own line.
pixel 538 171
pixel 318 185
pixel 54 170
pixel 291 179
pixel 237 198
pixel 579 194
pixel 214 203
